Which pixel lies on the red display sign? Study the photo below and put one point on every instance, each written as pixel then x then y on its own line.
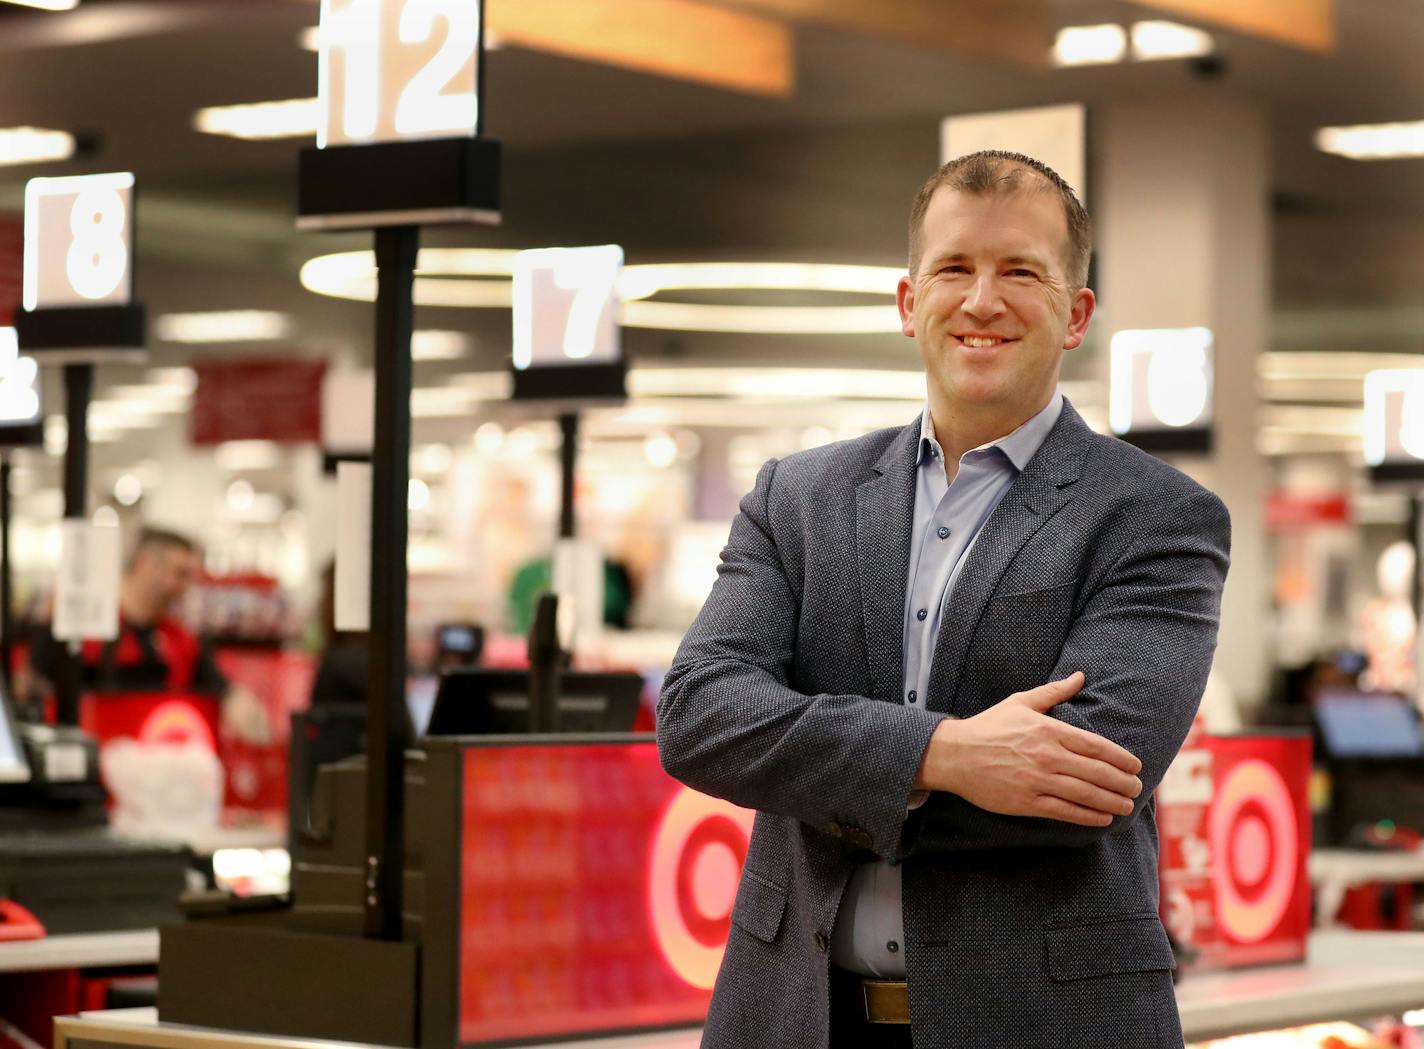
pixel 1234 818
pixel 257 400
pixel 596 892
pixel 12 263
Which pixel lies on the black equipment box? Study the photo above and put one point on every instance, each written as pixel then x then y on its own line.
pixel 92 881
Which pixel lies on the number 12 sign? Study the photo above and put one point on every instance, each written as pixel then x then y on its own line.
pixel 390 70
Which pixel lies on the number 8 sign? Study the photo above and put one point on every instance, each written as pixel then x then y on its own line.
pixel 78 241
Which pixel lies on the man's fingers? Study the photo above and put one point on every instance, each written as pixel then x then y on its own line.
pixel 1101 774
pixel 1091 745
pixel 1045 697
pixel 1053 808
pixel 1087 796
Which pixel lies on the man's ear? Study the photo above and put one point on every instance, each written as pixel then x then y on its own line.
pixel 1080 313
pixel 905 300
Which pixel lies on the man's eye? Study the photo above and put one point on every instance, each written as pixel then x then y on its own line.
pixel 955 268
pixel 1022 273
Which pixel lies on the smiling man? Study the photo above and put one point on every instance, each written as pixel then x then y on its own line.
pixel 948 664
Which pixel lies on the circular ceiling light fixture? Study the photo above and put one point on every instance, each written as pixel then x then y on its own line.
pixel 479 278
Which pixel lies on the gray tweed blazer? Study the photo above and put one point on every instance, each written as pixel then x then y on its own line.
pixel 785 697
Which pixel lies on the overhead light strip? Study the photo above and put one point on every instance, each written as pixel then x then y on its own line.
pixel 1373 141
pixel 257 121
pixel 34 145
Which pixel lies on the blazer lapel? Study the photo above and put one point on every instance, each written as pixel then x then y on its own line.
pixel 884 514
pixel 1039 492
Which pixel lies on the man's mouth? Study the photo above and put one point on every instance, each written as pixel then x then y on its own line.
pixel 980 342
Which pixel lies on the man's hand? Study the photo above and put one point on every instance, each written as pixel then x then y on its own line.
pixel 244 718
pixel 1015 760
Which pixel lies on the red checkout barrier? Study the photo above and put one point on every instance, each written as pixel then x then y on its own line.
pixel 595 892
pixel 1233 814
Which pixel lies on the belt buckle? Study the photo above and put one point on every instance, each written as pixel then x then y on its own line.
pixel 886 1001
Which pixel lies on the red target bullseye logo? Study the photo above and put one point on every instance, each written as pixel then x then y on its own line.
pixel 1256 847
pixel 697 857
pixel 174 721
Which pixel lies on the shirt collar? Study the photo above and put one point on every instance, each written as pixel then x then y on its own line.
pixel 1019 447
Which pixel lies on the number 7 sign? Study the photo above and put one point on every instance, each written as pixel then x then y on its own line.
pixel 566 306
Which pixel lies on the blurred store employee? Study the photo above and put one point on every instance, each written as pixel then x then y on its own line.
pixel 154 652
pixel 948 664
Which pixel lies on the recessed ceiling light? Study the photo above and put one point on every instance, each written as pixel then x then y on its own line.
pixel 287 118
pixel 34 145
pixel 223 326
pixel 1154 41
pixel 1089 45
pixel 1373 141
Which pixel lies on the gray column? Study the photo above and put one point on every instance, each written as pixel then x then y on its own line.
pixel 1181 201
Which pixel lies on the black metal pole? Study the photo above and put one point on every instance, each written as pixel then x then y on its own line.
pixel 78 388
pixel 568 464
pixel 7 609
pixel 386 741
pixel 1416 540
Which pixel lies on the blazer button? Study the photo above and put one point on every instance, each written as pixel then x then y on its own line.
pixel 835 830
pixel 859 839
pixel 823 942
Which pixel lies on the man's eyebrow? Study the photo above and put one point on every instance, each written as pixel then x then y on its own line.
pixel 1028 260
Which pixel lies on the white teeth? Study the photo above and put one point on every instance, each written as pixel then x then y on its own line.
pixel 974 340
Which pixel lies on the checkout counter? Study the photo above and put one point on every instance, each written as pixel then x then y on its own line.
pixel 561 886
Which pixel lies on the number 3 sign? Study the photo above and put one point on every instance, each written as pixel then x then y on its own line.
pixel 397 69
pixel 78 241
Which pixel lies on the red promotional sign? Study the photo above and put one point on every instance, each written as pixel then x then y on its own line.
pixel 12 265
pixel 596 892
pixel 257 400
pixel 1290 510
pixel 1234 817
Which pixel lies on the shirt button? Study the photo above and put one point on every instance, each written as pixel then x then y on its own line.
pixel 913 697
pixel 920 615
pixel 943 532
pixel 893 947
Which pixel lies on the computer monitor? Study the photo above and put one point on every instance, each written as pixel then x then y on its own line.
pixel 14 766
pixel 480 701
pixel 1367 725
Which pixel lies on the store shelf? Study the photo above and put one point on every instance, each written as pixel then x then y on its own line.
pixel 80 951
pixel 1348 975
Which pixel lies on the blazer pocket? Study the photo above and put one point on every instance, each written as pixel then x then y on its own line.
pixel 1051 593
pixel 760 906
pixel 1108 947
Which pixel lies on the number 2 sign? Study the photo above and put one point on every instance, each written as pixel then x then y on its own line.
pixel 397 69
pixel 78 241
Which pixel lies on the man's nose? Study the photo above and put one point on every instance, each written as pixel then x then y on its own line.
pixel 984 300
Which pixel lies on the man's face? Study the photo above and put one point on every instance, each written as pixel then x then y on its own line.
pixel 991 307
pixel 166 572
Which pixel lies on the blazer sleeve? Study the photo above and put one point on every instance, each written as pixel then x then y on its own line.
pixel 730 725
pixel 1144 640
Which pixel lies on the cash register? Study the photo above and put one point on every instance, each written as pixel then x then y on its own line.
pixel 58 861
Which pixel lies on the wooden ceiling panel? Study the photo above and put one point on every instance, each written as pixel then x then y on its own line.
pixel 1308 25
pixel 681 39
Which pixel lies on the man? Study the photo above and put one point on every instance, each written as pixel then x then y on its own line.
pixel 948 665
pixel 154 652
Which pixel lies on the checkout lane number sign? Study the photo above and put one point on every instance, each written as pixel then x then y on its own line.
pixel 389 70
pixel 79 241
pixel 566 306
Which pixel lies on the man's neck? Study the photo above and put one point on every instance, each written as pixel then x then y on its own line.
pixel 958 428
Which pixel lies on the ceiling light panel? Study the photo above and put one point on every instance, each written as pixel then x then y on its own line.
pixel 288 118
pixel 1089 45
pixel 1373 141
pixel 34 145
pixel 1156 41
pixel 223 326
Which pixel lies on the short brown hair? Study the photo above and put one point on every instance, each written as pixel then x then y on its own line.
pixel 160 538
pixel 1000 171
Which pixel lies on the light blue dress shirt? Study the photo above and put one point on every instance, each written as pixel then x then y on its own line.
pixel 870 933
